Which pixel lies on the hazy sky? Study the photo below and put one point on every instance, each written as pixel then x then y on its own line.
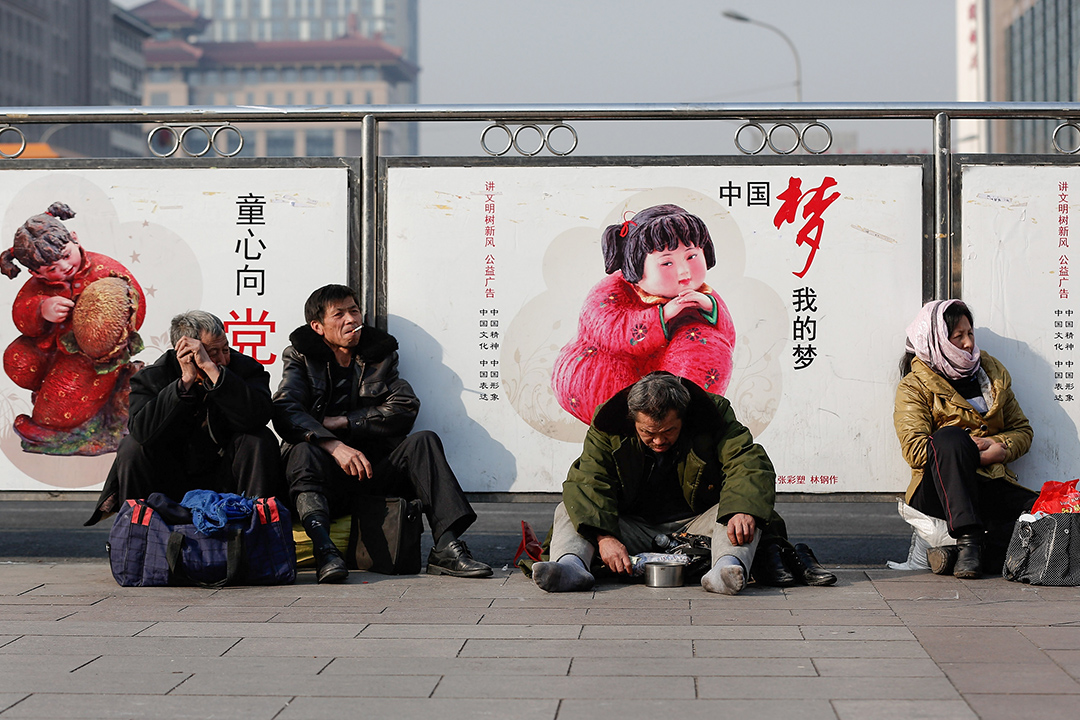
pixel 673 51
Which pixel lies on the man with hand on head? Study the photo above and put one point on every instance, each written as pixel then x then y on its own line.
pixel 198 421
pixel 344 415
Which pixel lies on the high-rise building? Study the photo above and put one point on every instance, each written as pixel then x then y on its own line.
pixel 186 68
pixel 93 57
pixel 1018 50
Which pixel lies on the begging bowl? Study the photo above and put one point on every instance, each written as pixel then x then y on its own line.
pixel 664 574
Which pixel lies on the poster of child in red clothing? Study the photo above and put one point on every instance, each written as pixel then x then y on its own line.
pixel 653 311
pixel 78 315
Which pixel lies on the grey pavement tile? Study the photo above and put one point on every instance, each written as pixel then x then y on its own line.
pixel 1010 677
pixel 351 603
pixel 211 629
pixel 645 668
pixel 809 648
pixel 1010 613
pixel 72 627
pixel 854 632
pixel 877 667
pixel 45 663
pixel 314 615
pixel 37 645
pixel 1067 660
pixel 452 616
pixel 587 600
pixel 188 665
pixel 48 613
pixel 144 614
pixel 406 603
pixel 1009 707
pixel 1046 638
pixel 358 647
pixel 450 666
pixel 943 589
pixel 827 688
pixel 6 640
pixel 691 632
pixel 386 630
pixel 534 616
pixel 257 685
pixel 7 601
pixel 89 683
pixel 579 686
pixel 240 615
pixel 985 645
pixel 845 617
pixel 7 700
pixel 400 708
pixel 637 709
pixel 903 710
pixel 732 614
pixel 989 591
pixel 622 616
pixel 578 648
pixel 145 707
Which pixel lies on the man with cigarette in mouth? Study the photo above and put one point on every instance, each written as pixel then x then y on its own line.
pixel 198 421
pixel 344 415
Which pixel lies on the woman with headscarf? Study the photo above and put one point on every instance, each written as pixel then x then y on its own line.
pixel 959 423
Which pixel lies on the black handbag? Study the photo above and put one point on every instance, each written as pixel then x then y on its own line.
pixel 1045 552
pixel 385 535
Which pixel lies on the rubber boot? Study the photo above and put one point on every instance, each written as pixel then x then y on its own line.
pixel 968 556
pixel 314 514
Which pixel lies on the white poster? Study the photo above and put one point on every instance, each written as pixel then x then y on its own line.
pixel 1017 280
pixel 245 244
pixel 500 296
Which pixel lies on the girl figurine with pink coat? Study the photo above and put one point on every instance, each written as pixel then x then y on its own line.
pixel 653 311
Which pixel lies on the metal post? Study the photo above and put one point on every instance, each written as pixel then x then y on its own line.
pixel 942 195
pixel 366 278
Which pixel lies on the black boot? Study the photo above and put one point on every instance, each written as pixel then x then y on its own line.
pixel 941 559
pixel 768 567
pixel 968 556
pixel 805 567
pixel 314 514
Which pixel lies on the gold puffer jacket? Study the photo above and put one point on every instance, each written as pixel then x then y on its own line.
pixel 925 402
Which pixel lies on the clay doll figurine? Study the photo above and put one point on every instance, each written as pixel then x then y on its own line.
pixel 652 312
pixel 78 314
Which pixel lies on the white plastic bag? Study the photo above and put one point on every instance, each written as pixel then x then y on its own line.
pixel 927 532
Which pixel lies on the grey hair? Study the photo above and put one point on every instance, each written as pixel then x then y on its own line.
pixel 193 324
pixel 657 394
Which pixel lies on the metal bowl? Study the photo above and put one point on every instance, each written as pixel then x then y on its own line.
pixel 664 574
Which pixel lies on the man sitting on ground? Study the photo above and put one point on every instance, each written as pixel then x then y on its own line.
pixel 661 456
pixel 198 421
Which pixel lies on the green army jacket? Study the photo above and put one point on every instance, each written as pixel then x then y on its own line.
pixel 925 402
pixel 723 465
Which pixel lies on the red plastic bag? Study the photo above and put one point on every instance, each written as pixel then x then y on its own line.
pixel 530 544
pixel 1058 497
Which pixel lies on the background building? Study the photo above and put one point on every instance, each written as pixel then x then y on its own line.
pixel 345 69
pixel 93 57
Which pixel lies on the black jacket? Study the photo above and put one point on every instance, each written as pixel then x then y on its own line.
pixel 239 402
pixel 381 405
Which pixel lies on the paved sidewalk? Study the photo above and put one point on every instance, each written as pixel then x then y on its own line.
pixel 880 644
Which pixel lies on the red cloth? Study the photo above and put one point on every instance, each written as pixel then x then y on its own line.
pixel 68 390
pixel 621 339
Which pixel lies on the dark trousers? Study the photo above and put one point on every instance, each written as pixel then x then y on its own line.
pixel 952 489
pixel 415 469
pixel 248 464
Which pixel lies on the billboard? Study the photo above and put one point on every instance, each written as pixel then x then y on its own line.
pixel 247 244
pixel 513 324
pixel 1016 256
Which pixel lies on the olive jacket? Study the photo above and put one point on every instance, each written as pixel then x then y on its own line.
pixel 925 402
pixel 382 406
pixel 723 465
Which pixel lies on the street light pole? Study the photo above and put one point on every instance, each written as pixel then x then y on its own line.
pixel 739 17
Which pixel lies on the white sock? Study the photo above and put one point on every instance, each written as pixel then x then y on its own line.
pixel 727 577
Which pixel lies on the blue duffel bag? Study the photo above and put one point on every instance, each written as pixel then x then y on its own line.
pixel 148 548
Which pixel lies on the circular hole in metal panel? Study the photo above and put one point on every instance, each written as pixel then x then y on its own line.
pixel 194 144
pixel 21 141
pixel 163 141
pixel 509 139
pixel 784 131
pixel 227 140
pixel 539 136
pixel 551 146
pixel 1067 138
pixel 816 138
pixel 746 132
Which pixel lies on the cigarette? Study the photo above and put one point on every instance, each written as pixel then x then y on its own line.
pixel 356 329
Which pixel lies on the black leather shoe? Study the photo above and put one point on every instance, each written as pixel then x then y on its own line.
pixel 457 561
pixel 968 556
pixel 806 568
pixel 769 569
pixel 331 566
pixel 941 559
